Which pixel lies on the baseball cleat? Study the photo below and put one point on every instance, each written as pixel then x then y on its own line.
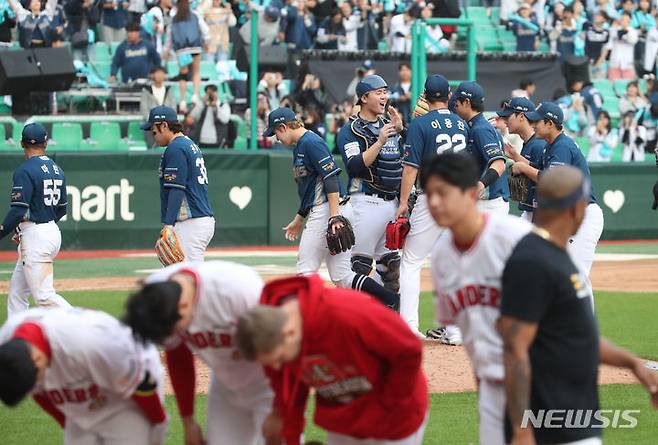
pixel 441 335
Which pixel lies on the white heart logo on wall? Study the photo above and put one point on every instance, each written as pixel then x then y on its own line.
pixel 614 199
pixel 240 196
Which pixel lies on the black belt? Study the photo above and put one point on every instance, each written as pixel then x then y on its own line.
pixel 382 196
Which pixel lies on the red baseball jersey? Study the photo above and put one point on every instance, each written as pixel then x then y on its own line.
pixel 361 358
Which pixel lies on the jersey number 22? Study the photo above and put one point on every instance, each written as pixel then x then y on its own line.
pixel 52 191
pixel 455 143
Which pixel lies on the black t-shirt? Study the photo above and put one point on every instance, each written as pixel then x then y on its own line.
pixel 542 285
pixel 595 39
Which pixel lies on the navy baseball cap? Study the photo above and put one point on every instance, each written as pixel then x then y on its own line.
pixel 279 116
pixel 547 110
pixel 368 84
pixel 469 90
pixel 436 87
pixel 516 105
pixel 34 133
pixel 160 114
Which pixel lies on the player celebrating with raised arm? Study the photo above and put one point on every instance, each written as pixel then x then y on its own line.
pixel 436 132
pixel 467 266
pixel 370 145
pixel 328 235
pixel 361 359
pixel 514 115
pixel 562 150
pixel 193 308
pixel 38 201
pixel 88 372
pixel 486 145
pixel 185 210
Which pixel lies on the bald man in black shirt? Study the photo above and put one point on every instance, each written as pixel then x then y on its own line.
pixel 552 348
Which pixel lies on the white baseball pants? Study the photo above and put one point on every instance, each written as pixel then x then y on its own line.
pixel 582 245
pixel 313 247
pixel 33 274
pixel 415 438
pixel 420 241
pixel 491 408
pixel 496 205
pixel 126 427
pixel 194 235
pixel 237 418
pixel 526 215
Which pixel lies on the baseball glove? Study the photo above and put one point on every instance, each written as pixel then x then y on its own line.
pixel 396 233
pixel 518 187
pixel 168 248
pixel 340 236
pixel 422 107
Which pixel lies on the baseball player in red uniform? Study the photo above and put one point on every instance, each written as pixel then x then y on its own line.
pixel 88 372
pixel 193 307
pixel 361 358
pixel 467 268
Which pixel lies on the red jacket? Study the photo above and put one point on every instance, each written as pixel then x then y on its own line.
pixel 360 357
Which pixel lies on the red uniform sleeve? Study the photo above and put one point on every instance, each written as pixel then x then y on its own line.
pixel 149 403
pixel 180 362
pixel 45 403
pixel 389 337
pixel 291 410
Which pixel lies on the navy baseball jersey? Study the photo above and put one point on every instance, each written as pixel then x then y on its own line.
pixel 40 187
pixel 486 145
pixel 385 173
pixel 312 164
pixel 532 150
pixel 564 151
pixel 182 166
pixel 436 132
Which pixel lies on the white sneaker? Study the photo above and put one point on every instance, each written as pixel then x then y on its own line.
pixel 441 335
pixel 182 107
pixel 194 99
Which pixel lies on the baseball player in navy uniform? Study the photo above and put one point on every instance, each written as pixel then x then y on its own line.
pixel 486 145
pixel 370 145
pixel 514 115
pixel 438 131
pixel 562 150
pixel 38 201
pixel 183 176
pixel 318 187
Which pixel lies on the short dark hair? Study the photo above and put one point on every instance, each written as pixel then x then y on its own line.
pixel 133 27
pixel 458 169
pixel 158 68
pixel 555 124
pixel 18 374
pixel 525 83
pixel 405 64
pixel 152 311
pixel 478 107
pixel 211 87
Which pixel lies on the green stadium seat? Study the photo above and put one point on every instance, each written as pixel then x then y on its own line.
pixel 487 39
pixel 478 14
pixel 105 136
pixel 4 143
pixel 208 70
pixel 172 69
pixel 331 140
pixel 102 52
pixel 113 47
pixel 620 86
pixel 604 86
pixel 583 144
pixel 135 139
pixel 240 143
pixel 495 15
pixel 103 69
pixel 66 136
pixel 611 105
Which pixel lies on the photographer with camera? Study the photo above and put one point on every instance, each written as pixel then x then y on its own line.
pixel 620 47
pixel 212 120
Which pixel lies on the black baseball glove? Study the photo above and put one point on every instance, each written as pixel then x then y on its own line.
pixel 340 236
pixel 518 187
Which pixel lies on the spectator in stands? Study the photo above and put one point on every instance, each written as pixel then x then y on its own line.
pixel 620 47
pixel 603 139
pixel 268 27
pixel 525 28
pixel 650 51
pixel 526 89
pixel 261 124
pixel 642 18
pixel 115 20
pixel 399 36
pixel 352 23
pixel 212 120
pixel 82 16
pixel 155 22
pixel 220 19
pixel 564 34
pixel 157 93
pixel 7 22
pixel 134 57
pixel 314 121
pixel 365 69
pixel 331 32
pixel 632 101
pixel 607 6
pixel 58 25
pixel 632 137
pixel 274 88
pixel 401 92
pixel 596 35
pixel 310 94
pixel 34 26
pixel 591 98
pixel 187 35
pixel 435 41
pixel 575 115
pixel 299 25
pixel 135 10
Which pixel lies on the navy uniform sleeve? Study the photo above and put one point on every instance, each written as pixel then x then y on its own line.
pixel 350 150
pixel 22 189
pixel 320 159
pixel 413 145
pixel 525 289
pixel 174 171
pixel 560 155
pixel 60 211
pixel 489 144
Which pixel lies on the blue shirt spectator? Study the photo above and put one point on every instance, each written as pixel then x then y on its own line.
pixel 134 56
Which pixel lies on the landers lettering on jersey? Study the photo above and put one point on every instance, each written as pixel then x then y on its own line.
pixel 472 295
pixel 331 382
pixel 77 395
pixel 208 339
